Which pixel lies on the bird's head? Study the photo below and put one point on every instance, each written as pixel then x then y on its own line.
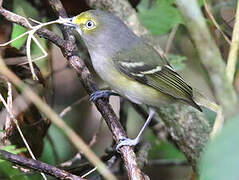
pixel 102 30
pixel 86 23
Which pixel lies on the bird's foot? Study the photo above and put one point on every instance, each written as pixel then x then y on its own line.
pixel 102 94
pixel 127 142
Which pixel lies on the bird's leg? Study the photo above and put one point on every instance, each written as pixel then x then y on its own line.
pixel 133 142
pixel 102 94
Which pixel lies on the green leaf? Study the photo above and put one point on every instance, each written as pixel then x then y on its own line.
pixel 23 8
pixel 7 172
pixel 161 149
pixel 221 158
pixel 12 149
pixel 16 31
pixel 159 19
pixel 36 52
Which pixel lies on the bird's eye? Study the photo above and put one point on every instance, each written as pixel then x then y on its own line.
pixel 90 24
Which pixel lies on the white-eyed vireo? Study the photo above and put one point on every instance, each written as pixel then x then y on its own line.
pixel 129 66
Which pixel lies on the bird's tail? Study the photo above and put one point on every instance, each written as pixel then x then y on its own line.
pixel 204 101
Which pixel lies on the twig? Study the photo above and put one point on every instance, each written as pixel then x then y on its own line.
pixel 89 172
pixel 75 139
pixel 207 8
pixel 94 138
pixel 14 18
pixel 170 39
pixel 233 53
pixel 12 117
pixel 69 163
pixel 69 108
pixel 31 37
pixel 37 166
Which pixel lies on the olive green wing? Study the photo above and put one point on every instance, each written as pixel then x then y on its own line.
pixel 160 76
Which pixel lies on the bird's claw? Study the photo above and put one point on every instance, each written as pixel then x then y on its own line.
pixel 127 142
pixel 100 94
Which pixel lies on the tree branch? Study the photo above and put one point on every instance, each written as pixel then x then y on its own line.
pixel 37 166
pixel 14 18
pixel 233 53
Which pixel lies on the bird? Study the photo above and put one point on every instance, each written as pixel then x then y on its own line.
pixel 129 65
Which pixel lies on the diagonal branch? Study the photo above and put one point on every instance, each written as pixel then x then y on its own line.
pixel 76 140
pixel 38 166
pixel 14 18
pixel 233 53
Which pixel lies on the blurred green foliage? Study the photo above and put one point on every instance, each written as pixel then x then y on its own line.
pixel 162 149
pixel 221 158
pixel 6 170
pixel 160 17
pixel 64 149
pixel 12 149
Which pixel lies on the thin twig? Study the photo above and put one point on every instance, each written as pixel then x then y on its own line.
pixel 17 124
pixel 30 37
pixel 233 53
pixel 75 139
pixel 207 8
pixel 94 138
pixel 69 108
pixel 69 163
pixel 91 171
pixel 14 18
pixel 170 39
pixel 37 166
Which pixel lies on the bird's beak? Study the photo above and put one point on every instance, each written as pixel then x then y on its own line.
pixel 68 22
